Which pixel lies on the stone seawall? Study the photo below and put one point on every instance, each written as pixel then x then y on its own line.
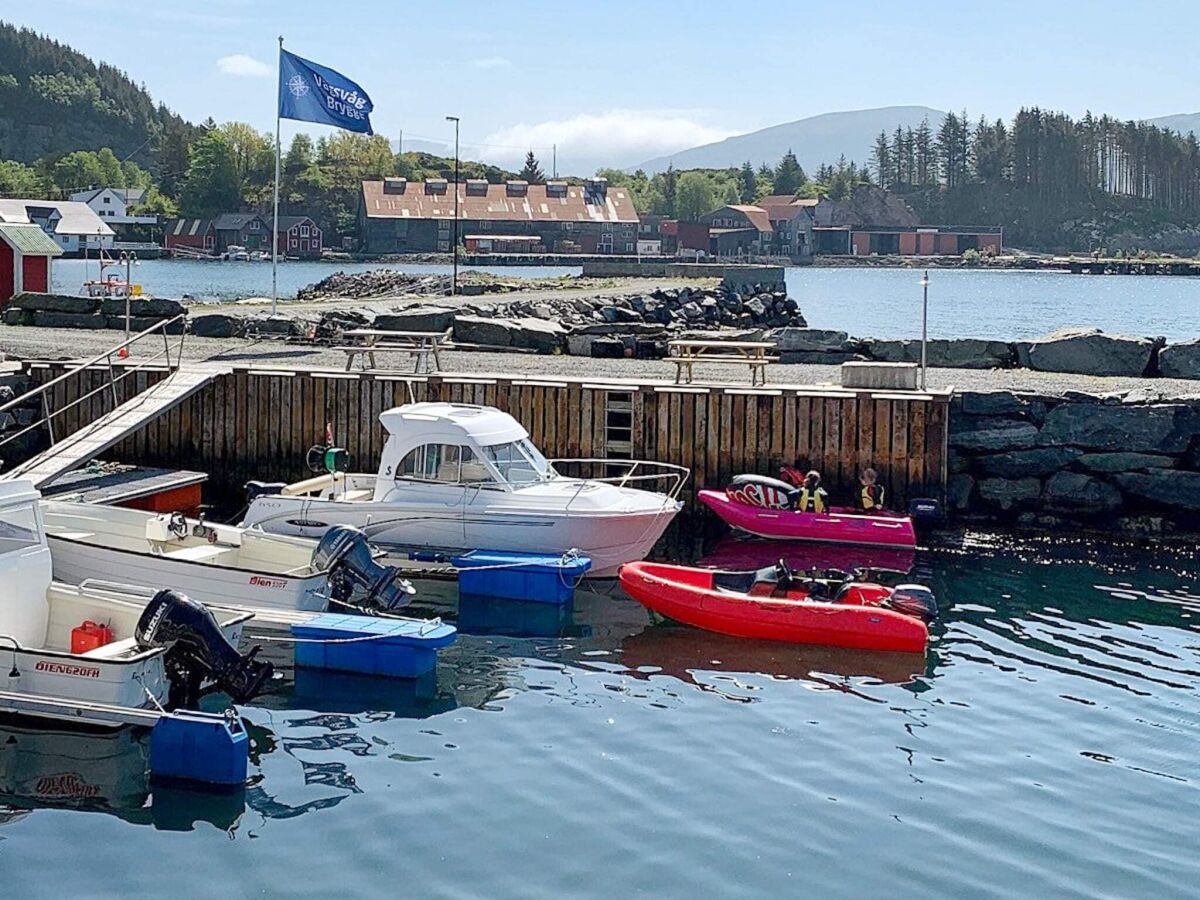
pixel 1126 460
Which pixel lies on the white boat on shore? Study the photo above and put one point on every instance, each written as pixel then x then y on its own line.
pixel 155 652
pixel 217 565
pixel 455 477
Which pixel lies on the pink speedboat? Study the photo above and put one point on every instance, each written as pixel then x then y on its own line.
pixel 835 526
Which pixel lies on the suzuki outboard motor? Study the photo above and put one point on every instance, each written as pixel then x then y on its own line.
pixel 197 651
pixel 914 600
pixel 344 551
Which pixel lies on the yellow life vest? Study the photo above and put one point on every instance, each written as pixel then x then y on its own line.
pixel 811 501
pixel 870 501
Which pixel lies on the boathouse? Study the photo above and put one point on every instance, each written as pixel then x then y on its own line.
pixel 399 216
pixel 25 254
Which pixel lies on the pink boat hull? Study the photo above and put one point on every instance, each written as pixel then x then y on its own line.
pixel 835 527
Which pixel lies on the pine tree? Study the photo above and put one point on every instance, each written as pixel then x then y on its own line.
pixel 747 183
pixel 789 177
pixel 670 191
pixel 881 158
pixel 532 171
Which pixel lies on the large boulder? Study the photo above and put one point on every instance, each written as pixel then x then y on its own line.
pixel 416 318
pixel 1166 487
pixel 1079 494
pixel 954 353
pixel 59 303
pixel 1180 360
pixel 1165 428
pixel 48 319
pixel 994 435
pixel 1035 463
pixel 1008 494
pixel 1089 351
pixel 958 491
pixel 138 324
pixel 143 307
pixel 218 325
pixel 484 331
pixel 810 340
pixel 1125 462
pixel 542 335
pixel 991 403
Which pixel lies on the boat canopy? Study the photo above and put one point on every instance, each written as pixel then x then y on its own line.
pixel 452 423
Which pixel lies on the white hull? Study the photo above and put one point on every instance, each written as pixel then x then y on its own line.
pixel 76 562
pixel 610 539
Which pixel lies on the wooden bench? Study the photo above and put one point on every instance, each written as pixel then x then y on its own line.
pixel 686 353
pixel 423 346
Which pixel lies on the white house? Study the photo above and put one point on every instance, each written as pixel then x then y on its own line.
pixel 113 204
pixel 73 225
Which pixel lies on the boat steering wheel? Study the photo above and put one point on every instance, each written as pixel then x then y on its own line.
pixel 784 576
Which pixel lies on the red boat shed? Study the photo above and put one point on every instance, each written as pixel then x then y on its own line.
pixel 25 254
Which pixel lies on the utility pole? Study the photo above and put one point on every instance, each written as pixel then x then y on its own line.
pixel 454 277
pixel 924 323
pixel 554 159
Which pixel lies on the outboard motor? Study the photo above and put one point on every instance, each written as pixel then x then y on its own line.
pixel 914 600
pixel 344 551
pixel 197 651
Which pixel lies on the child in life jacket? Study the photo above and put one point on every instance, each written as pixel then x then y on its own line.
pixel 870 494
pixel 812 497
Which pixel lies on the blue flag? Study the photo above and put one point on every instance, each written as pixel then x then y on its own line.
pixel 313 93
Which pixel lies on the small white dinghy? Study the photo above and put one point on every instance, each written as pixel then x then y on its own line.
pixel 217 565
pixel 161 652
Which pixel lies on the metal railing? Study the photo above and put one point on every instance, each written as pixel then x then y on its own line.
pixel 677 475
pixel 110 386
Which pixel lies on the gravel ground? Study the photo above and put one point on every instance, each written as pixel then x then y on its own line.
pixel 53 343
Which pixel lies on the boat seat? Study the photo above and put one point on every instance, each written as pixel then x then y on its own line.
pixel 200 553
pixel 113 649
pixel 738 582
pixel 356 495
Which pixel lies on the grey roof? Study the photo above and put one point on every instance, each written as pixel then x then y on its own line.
pixel 189 227
pixel 234 221
pixel 131 195
pixel 72 217
pixel 28 239
pixel 287 223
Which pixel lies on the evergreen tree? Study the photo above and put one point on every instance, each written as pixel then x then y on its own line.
pixel 923 155
pixel 670 189
pixel 881 158
pixel 532 171
pixel 747 183
pixel 694 196
pixel 789 177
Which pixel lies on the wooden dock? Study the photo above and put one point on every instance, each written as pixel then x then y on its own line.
pixel 257 423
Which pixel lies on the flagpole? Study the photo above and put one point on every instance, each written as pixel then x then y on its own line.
pixel 275 220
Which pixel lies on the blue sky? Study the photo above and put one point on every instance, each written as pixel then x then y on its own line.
pixel 621 81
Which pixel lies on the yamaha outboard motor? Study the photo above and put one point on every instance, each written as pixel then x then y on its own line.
pixel 197 651
pixel 344 551
pixel 914 600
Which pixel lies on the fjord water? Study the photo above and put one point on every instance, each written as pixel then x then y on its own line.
pixel 866 302
pixel 1046 746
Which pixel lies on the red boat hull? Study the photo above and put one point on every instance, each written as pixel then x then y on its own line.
pixel 836 526
pixel 687 595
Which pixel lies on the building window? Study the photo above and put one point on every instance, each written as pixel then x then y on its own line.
pixel 108 199
pixel 303 231
pixel 629 248
pixel 254 225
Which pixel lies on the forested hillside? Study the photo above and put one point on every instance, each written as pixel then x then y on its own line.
pixel 54 100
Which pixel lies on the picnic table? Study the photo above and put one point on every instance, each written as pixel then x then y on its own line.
pixel 423 346
pixel 686 353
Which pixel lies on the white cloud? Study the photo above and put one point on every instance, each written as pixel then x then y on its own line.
pixel 493 62
pixel 243 65
pixel 618 137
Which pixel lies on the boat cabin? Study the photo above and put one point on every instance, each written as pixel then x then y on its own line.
pixel 457 444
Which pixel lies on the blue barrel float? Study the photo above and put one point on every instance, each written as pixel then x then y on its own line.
pixel 538 578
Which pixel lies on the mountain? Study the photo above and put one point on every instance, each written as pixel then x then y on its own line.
pixel 815 140
pixel 1182 122
pixel 54 100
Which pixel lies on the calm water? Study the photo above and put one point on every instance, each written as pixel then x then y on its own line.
pixel 1047 746
pixel 865 302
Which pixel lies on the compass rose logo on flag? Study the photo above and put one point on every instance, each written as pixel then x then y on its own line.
pixel 297 85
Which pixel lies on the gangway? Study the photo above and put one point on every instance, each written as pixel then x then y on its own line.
pixel 77 449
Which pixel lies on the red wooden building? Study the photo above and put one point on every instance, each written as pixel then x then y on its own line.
pixel 25 254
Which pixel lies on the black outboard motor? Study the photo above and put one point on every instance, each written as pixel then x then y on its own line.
pixel 197 651
pixel 914 600
pixel 344 551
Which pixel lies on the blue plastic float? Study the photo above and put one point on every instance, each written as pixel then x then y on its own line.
pixel 533 577
pixel 397 648
pixel 208 748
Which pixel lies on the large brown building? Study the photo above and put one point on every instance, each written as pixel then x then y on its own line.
pixel 399 216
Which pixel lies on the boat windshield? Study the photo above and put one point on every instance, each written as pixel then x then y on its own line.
pixel 519 462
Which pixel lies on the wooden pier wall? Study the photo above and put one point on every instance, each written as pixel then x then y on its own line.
pixel 257 423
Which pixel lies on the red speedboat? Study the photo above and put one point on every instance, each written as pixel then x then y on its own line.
pixel 762 506
pixel 776 604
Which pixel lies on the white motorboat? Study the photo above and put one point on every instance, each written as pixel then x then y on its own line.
pixel 154 652
pixel 456 477
pixel 217 565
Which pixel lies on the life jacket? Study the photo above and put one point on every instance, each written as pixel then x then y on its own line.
pixel 811 501
pixel 872 496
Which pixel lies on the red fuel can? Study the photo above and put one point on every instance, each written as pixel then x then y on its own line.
pixel 89 636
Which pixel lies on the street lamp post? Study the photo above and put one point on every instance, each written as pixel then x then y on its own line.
pixel 454 277
pixel 129 258
pixel 924 324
